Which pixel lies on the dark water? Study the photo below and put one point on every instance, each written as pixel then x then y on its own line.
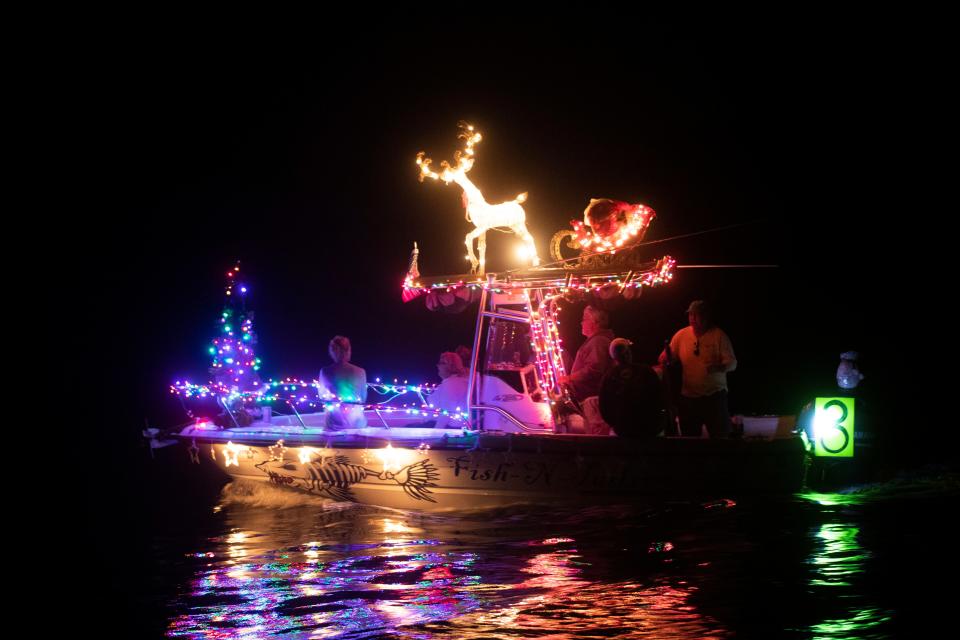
pixel 258 562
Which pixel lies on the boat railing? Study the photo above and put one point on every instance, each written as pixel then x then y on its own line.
pixel 510 417
pixel 513 316
pixel 376 410
pixel 297 413
pixel 226 405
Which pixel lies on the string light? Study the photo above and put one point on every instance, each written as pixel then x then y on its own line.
pixel 234 361
pixel 302 394
pixel 620 222
pixel 659 273
pixel 231 453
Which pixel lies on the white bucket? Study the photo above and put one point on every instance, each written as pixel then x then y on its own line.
pixel 760 426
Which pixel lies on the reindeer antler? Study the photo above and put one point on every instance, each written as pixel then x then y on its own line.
pixel 424 163
pixel 483 215
pixel 473 137
pixel 464 159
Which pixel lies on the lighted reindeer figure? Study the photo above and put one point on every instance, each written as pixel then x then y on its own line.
pixel 506 215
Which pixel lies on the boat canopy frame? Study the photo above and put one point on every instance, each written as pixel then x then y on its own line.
pixel 540 286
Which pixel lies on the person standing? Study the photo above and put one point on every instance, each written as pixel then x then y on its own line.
pixel 706 356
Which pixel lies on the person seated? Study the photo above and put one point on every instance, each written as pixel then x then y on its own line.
pixel 346 383
pixel 451 394
pixel 589 366
pixel 630 398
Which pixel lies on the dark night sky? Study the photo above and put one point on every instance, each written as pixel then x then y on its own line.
pixel 300 163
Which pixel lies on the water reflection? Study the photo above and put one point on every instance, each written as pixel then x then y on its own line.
pixel 259 582
pixel 839 564
pixel 840 557
pixel 817 566
pixel 328 570
pixel 807 568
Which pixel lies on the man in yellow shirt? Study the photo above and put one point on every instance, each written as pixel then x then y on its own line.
pixel 706 356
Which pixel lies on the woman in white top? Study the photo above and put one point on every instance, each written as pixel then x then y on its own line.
pixel 451 394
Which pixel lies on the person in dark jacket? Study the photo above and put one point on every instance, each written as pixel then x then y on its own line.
pixel 630 398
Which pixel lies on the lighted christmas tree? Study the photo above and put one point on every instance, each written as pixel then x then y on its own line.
pixel 235 366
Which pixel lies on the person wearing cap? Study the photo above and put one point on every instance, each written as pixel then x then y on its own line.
pixel 706 356
pixel 630 398
pixel 592 361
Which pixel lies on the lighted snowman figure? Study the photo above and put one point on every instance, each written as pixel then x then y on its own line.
pixel 848 376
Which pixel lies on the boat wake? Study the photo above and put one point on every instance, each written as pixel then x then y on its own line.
pixel 929 481
pixel 263 495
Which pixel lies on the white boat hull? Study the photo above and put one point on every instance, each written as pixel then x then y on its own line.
pixel 424 469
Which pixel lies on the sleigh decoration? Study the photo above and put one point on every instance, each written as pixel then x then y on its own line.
pixel 610 228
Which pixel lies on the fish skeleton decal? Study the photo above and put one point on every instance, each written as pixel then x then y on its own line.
pixel 333 477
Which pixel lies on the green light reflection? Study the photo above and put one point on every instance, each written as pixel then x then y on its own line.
pixel 839 572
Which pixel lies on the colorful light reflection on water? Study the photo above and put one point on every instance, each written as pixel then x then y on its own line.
pixel 800 569
pixel 359 574
pixel 326 589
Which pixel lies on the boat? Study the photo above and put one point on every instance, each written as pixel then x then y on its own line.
pixel 503 448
